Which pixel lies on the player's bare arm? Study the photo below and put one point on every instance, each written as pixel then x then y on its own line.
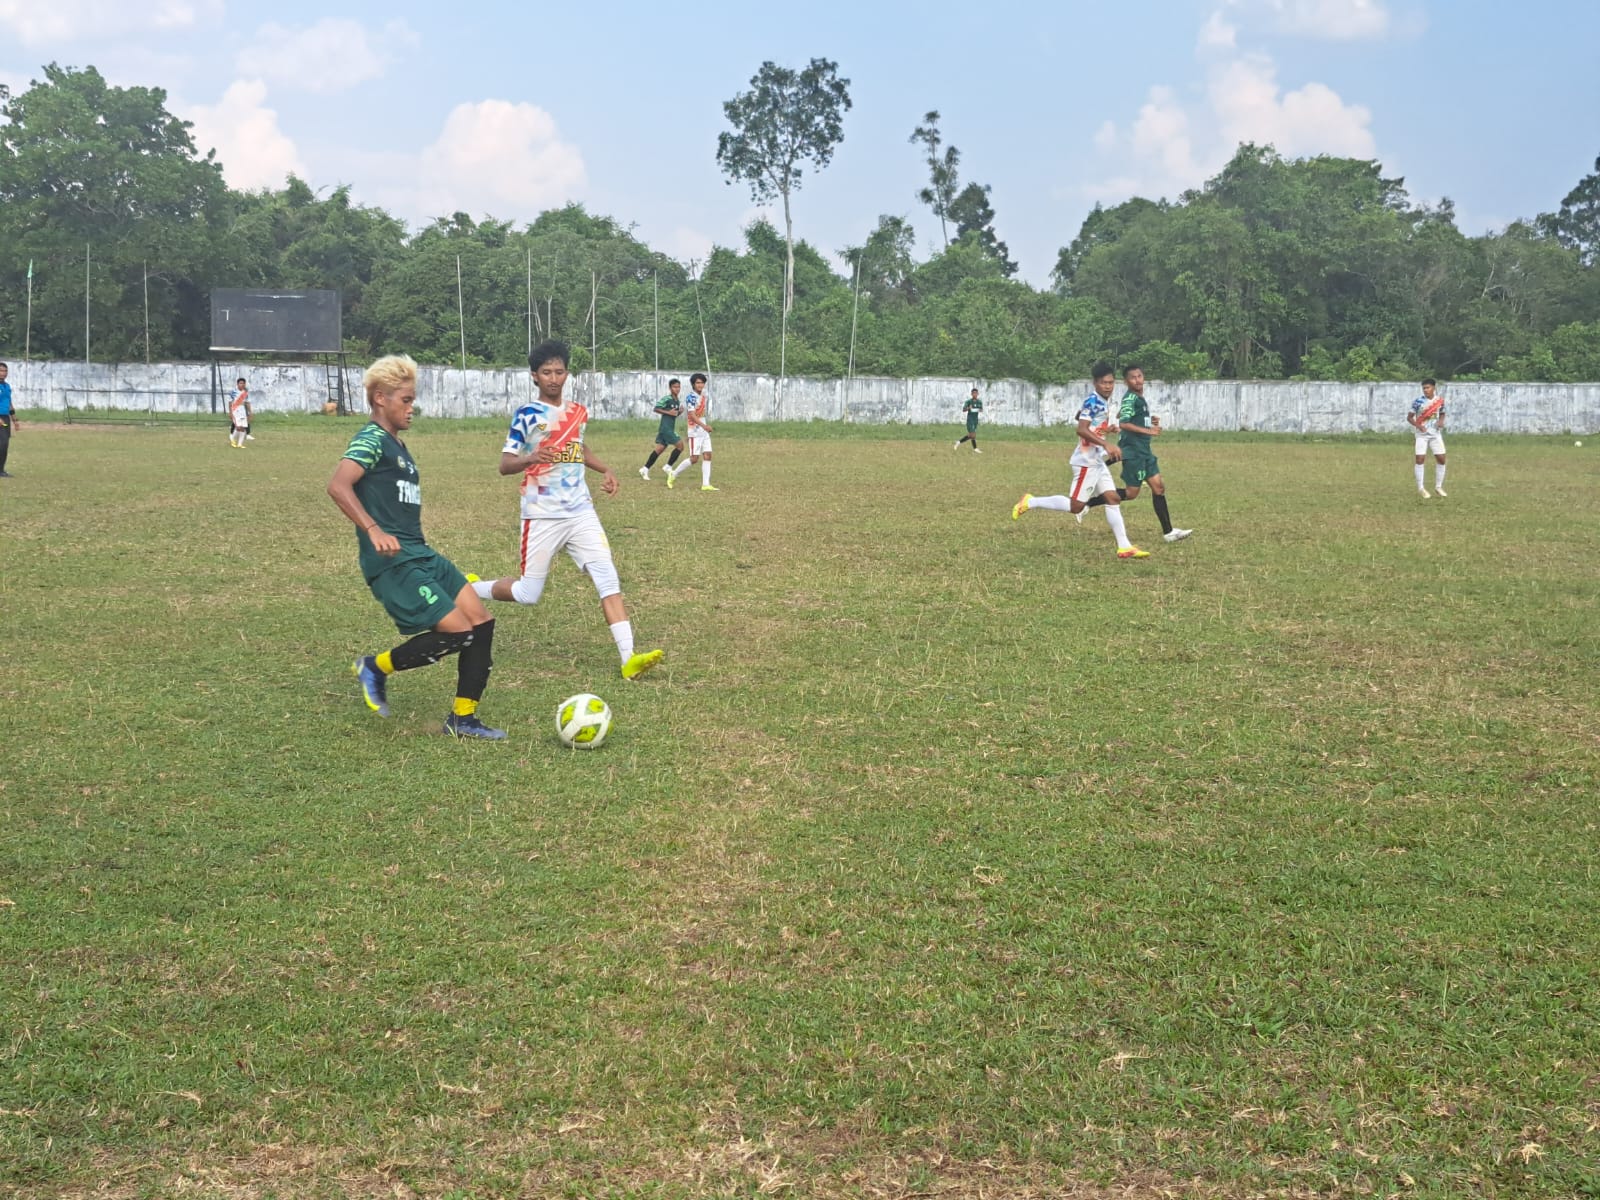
pixel 1088 434
pixel 342 491
pixel 608 482
pixel 515 464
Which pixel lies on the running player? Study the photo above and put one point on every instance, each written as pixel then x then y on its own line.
pixel 698 412
pixel 376 485
pixel 545 446
pixel 669 408
pixel 1426 417
pixel 1139 466
pixel 1091 476
pixel 972 406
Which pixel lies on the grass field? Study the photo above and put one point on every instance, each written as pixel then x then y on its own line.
pixel 945 855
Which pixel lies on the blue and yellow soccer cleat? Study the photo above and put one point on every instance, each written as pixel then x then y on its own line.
pixel 638 664
pixel 373 685
pixel 470 727
pixel 1021 506
pixel 1133 552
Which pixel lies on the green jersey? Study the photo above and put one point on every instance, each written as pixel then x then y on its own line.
pixel 391 492
pixel 1136 410
pixel 972 407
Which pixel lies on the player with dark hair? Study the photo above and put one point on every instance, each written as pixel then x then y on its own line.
pixel 1426 417
pixel 376 485
pixel 669 408
pixel 697 409
pixel 972 406
pixel 1135 428
pixel 1091 475
pixel 8 420
pixel 545 446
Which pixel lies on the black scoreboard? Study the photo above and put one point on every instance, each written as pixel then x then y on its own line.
pixel 264 320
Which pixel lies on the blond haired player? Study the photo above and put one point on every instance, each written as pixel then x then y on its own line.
pixel 545 446
pixel 1091 474
pixel 1426 417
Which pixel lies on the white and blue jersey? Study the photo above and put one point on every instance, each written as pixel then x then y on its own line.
pixel 1431 423
pixel 1098 413
pixel 558 489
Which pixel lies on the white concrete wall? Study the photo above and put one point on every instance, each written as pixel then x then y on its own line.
pixel 1269 406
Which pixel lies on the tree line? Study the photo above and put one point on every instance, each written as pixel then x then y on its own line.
pixel 1316 268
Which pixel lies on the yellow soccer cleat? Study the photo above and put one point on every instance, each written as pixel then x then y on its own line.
pixel 471 578
pixel 706 487
pixel 638 664
pixel 1133 552
pixel 1021 506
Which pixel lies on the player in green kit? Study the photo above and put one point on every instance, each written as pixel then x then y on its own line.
pixel 1135 428
pixel 669 408
pixel 972 407
pixel 376 485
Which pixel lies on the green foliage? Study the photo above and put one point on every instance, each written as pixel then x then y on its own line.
pixel 1318 268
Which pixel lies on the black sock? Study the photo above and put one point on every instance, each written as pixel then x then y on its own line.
pixel 472 669
pixel 676 450
pixel 1159 499
pixel 427 648
pixel 651 461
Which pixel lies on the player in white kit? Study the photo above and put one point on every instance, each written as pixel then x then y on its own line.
pixel 1426 417
pixel 1091 472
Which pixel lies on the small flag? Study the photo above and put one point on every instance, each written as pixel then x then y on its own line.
pixel 30 268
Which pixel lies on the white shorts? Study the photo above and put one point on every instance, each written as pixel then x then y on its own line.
pixel 1430 443
pixel 579 535
pixel 699 441
pixel 1088 482
pixel 241 423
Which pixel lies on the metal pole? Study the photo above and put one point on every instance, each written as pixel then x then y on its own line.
pixel 655 280
pixel 86 312
pixel 147 314
pixel 27 338
pixel 530 302
pixel 854 309
pixel 461 317
pixel 594 325
pixel 694 267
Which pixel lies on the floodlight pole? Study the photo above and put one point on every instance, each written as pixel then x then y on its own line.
pixel 147 314
pixel 655 282
pixel 461 318
pixel 86 312
pixel 530 302
pixel 594 326
pixel 27 337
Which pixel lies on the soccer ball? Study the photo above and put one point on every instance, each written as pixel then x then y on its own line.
pixel 583 721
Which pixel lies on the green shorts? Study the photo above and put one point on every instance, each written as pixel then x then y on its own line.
pixel 667 434
pixel 1136 468
pixel 419 592
pixel 972 424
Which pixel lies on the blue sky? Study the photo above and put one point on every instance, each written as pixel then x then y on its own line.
pixel 507 109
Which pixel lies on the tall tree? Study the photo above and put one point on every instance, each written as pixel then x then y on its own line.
pixel 1576 224
pixel 786 119
pixel 942 176
pixel 974 215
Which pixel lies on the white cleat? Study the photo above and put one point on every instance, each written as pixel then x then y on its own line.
pixel 1080 515
pixel 975 450
pixel 957 446
pixel 1440 492
pixel 644 474
pixel 1177 535
pixel 1423 492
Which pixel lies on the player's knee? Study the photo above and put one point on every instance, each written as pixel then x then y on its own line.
pixel 528 589
pixel 603 574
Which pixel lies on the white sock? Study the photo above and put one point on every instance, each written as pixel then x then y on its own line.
pixel 1054 503
pixel 1418 467
pixel 484 589
pixel 705 472
pixel 1118 527
pixel 1438 475
pixel 622 634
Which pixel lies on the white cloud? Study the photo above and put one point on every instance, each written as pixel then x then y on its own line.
pixel 253 151
pixel 492 157
pixel 1331 20
pixel 40 22
pixel 1176 142
pixel 330 56
pixel 1313 119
